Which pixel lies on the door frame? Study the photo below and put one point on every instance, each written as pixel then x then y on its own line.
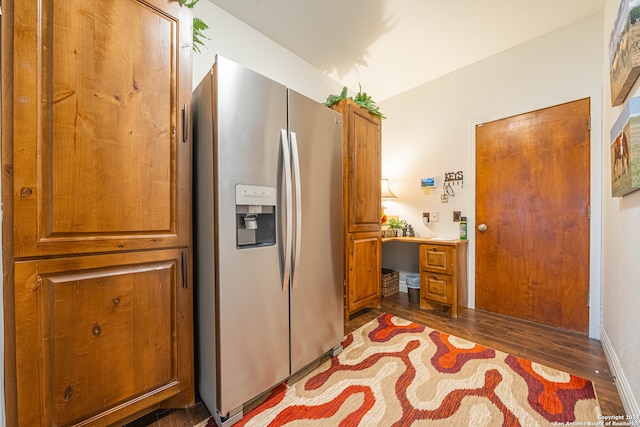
pixel 595 229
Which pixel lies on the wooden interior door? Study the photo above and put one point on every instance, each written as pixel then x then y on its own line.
pixel 532 194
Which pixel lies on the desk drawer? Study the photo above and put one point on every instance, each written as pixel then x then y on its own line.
pixel 437 258
pixel 436 287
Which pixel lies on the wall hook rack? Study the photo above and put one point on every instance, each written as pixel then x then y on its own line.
pixel 456 178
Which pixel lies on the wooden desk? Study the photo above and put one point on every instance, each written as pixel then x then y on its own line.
pixel 443 272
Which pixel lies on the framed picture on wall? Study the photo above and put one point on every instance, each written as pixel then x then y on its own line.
pixel 625 150
pixel 624 50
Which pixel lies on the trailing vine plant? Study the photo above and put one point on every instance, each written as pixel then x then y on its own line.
pixel 361 99
pixel 198 25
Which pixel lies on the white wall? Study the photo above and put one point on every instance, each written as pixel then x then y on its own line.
pixel 430 129
pixel 620 249
pixel 237 41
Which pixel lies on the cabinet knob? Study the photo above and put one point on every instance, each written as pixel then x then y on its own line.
pixel 26 192
pixel 482 228
pixel 68 393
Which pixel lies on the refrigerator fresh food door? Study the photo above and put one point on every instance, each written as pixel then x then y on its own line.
pixel 317 322
pixel 252 305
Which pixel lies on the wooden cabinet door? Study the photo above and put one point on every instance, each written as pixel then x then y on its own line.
pixel 362 164
pixel 101 337
pixel 364 266
pixel 100 151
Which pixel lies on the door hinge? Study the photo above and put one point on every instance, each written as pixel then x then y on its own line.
pixel 589 211
pixel 589 125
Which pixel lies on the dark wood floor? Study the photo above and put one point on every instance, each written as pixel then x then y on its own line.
pixel 562 350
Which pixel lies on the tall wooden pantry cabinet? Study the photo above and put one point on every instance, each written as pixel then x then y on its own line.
pixel 361 164
pixel 96 192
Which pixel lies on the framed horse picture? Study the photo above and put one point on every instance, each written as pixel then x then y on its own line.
pixel 624 50
pixel 625 150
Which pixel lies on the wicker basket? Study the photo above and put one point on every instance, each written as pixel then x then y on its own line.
pixel 390 282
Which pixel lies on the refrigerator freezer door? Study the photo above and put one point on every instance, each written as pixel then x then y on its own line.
pixel 204 255
pixel 317 322
pixel 252 307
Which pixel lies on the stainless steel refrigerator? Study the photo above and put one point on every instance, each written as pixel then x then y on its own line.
pixel 268 235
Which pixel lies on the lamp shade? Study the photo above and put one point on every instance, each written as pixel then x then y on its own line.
pixel 385 191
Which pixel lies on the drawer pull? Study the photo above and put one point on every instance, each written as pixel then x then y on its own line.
pixel 435 277
pixel 96 330
pixel 26 192
pixel 68 393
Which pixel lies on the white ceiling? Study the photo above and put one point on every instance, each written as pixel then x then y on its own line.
pixel 390 46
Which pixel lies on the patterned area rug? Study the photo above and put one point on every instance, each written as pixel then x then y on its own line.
pixel 393 372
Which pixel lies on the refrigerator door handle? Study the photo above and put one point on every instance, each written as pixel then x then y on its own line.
pixel 298 198
pixel 286 162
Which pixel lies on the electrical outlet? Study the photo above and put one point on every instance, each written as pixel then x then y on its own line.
pixel 456 216
pixel 434 217
pixel 425 218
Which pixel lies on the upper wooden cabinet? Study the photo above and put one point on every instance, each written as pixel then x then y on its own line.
pixel 99 90
pixel 362 136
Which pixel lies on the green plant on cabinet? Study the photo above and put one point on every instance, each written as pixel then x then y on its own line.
pixel 198 25
pixel 361 98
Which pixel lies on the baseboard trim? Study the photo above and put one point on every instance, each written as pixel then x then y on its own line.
pixel 403 286
pixel 624 389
